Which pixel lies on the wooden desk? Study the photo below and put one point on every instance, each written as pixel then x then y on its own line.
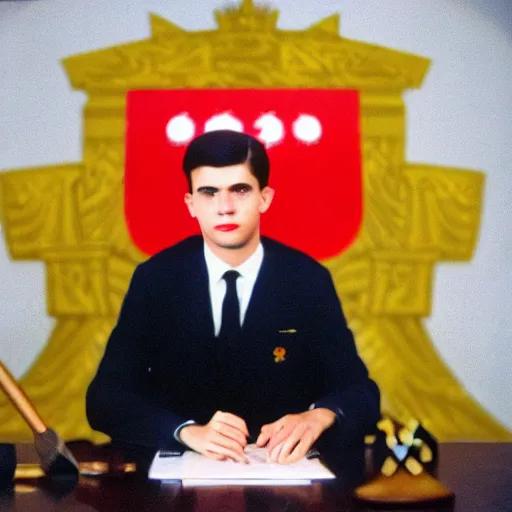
pixel 479 474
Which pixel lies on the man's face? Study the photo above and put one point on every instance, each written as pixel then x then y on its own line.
pixel 227 202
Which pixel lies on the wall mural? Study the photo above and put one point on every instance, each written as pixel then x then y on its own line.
pixel 331 112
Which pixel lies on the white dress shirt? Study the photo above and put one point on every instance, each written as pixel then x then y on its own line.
pixel 248 271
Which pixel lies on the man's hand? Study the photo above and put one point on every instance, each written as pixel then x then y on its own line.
pixel 289 438
pixel 223 437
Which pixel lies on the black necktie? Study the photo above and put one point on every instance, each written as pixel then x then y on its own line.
pixel 230 326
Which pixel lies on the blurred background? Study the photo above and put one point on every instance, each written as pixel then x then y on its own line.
pixel 460 118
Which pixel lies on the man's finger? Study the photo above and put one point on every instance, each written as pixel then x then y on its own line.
pixel 231 419
pixel 265 435
pixel 223 450
pixel 231 432
pixel 227 442
pixel 262 439
pixel 274 454
pixel 290 443
pixel 279 436
pixel 301 448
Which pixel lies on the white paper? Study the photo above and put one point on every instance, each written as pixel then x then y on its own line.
pixel 193 466
pixel 166 468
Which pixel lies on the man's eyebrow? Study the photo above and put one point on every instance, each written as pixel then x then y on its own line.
pixel 207 189
pixel 238 186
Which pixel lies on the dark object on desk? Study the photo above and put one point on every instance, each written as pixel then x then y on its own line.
pixel 404 461
pixel 411 447
pixel 32 471
pixel 95 464
pixel 55 457
pixel 7 465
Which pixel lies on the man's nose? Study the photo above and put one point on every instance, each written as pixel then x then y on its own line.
pixel 226 204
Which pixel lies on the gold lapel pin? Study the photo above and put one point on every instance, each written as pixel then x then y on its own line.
pixel 279 353
pixel 290 331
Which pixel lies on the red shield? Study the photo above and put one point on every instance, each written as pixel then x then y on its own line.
pixel 313 141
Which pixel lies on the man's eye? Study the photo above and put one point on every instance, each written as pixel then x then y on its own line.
pixel 243 190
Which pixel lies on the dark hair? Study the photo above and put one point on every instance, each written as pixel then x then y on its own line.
pixel 221 148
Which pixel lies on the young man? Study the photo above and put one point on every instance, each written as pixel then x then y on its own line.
pixel 229 335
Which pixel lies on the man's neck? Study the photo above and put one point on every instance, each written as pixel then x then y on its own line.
pixel 235 257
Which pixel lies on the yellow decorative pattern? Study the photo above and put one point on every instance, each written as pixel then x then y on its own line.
pixel 71 216
pixel 77 283
pixel 445 210
pixel 400 285
pixel 39 210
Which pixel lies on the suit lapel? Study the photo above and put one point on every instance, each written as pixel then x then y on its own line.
pixel 264 293
pixel 197 287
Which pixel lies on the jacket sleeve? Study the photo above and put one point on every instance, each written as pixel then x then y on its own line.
pixel 344 386
pixel 119 401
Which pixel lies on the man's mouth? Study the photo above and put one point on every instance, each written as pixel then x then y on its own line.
pixel 226 227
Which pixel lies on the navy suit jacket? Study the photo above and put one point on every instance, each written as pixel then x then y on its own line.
pixel 163 365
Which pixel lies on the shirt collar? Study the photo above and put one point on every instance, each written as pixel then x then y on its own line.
pixel 216 267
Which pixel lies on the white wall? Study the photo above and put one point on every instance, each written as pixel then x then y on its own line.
pixel 461 117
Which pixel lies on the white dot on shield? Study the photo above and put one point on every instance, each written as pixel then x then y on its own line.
pixel 180 129
pixel 271 129
pixel 223 122
pixel 307 129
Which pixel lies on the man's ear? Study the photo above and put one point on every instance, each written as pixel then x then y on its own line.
pixel 190 204
pixel 267 194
